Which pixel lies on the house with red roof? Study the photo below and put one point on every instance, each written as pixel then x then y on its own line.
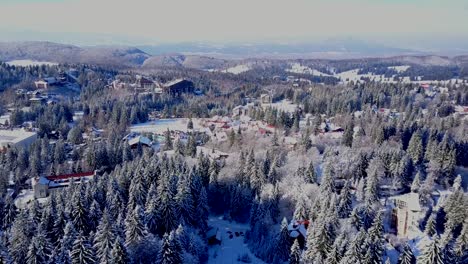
pixel 45 185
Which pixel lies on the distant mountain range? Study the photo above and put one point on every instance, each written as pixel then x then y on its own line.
pixel 209 57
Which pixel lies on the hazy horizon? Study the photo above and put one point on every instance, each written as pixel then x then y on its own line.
pixel 430 25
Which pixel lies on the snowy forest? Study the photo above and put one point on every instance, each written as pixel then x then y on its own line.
pixel 353 169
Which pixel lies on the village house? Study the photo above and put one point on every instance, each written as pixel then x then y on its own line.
pixel 212 153
pixel 45 83
pixel 178 86
pixel 16 138
pixel 265 99
pixel 43 186
pixel 134 139
pixel 144 83
pixel 406 214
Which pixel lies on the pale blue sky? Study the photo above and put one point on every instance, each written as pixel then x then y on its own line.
pixel 153 21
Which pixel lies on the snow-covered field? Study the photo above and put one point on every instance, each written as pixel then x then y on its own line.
pixel 161 125
pixel 283 105
pixel 298 68
pixel 230 248
pixel 237 69
pixel 400 69
pixel 353 75
pixel 29 63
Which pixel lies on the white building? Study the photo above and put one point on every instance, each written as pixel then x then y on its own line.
pixel 406 214
pixel 43 186
pixel 16 138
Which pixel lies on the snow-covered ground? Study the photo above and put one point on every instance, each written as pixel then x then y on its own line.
pixel 352 75
pixel 283 105
pixel 29 63
pixel 230 248
pixel 299 68
pixel 161 125
pixel 237 69
pixel 4 119
pixel 400 69
pixel 23 198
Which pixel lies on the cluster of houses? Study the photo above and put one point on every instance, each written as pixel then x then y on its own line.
pixel 63 79
pixel 432 90
pixel 144 84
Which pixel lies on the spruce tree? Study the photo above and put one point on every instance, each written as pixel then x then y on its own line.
pixel 80 213
pixel 407 256
pixel 415 148
pixel 19 238
pixel 347 139
pixel 431 253
pixel 283 242
pixel 170 252
pixel 416 183
pixel 82 252
pixel 119 253
pixel 430 228
pixel 375 240
pixel 346 202
pixel 135 229
pixel 311 175
pixel 104 239
pixel 295 254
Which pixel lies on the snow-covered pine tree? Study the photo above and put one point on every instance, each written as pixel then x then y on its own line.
pixel 202 210
pixel 9 212
pixel 356 219
pixel 82 252
pixel 185 202
pixel 95 214
pixel 151 210
pixel 460 248
pixel 301 213
pixel 354 253
pixel 333 257
pixel 166 207
pixel 283 242
pixel 430 228
pixel 138 190
pixel 375 241
pixel 345 201
pixel 167 140
pixel 431 253
pixel 40 248
pixel 327 184
pixel 311 175
pixel 416 182
pixel 319 242
pixel 415 148
pixel 171 251
pixel 374 174
pixel 119 253
pixel 104 239
pixel 295 253
pixel 135 229
pixel 80 213
pixel 347 139
pixel 19 238
pixel 407 256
